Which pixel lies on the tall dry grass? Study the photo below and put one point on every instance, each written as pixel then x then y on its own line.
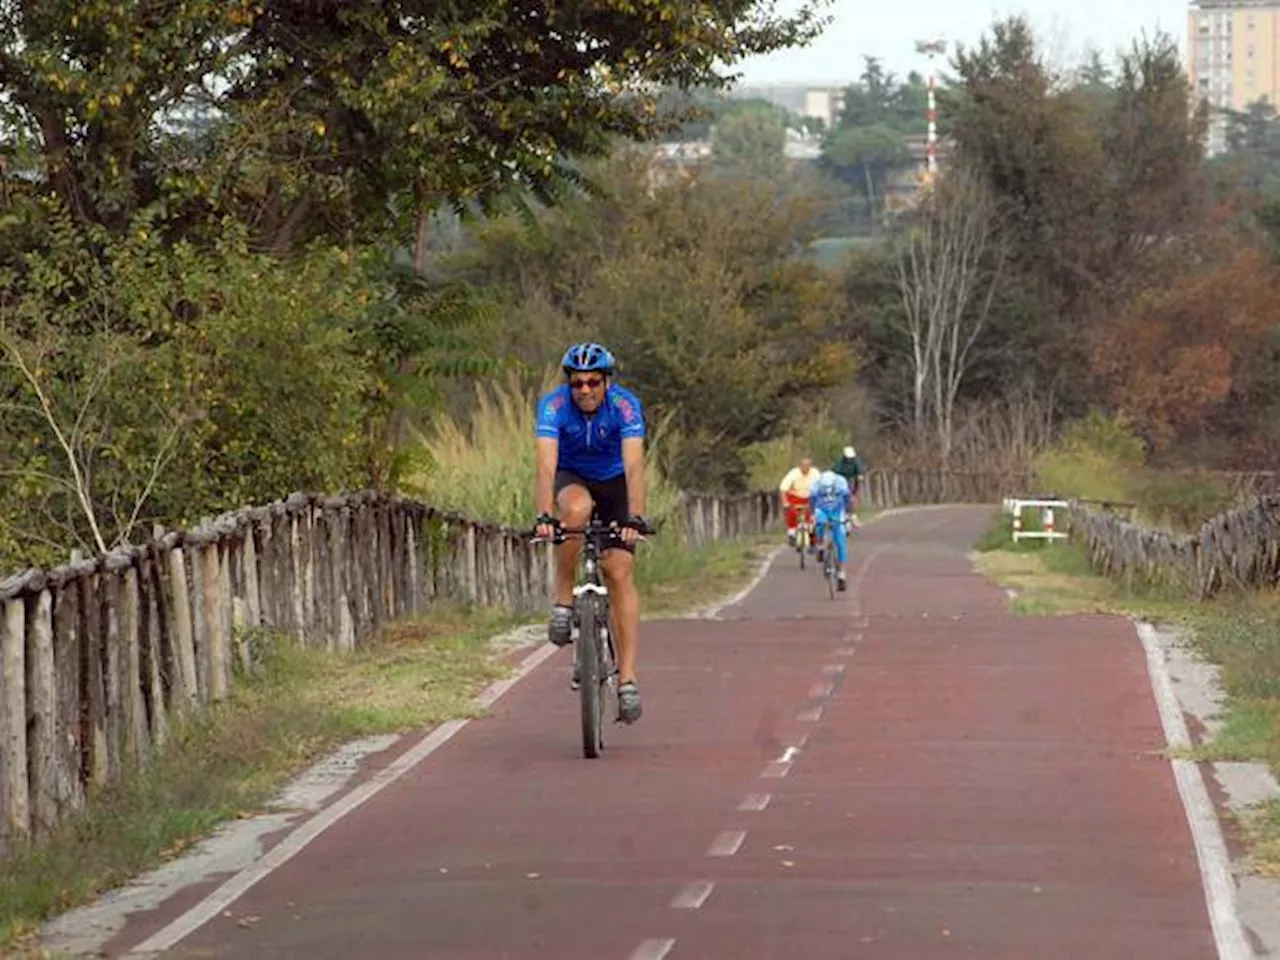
pixel 485 465
pixel 768 461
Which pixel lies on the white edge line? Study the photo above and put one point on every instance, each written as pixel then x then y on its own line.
pixel 713 611
pixel 693 896
pixel 652 950
pixel 1206 831
pixel 212 905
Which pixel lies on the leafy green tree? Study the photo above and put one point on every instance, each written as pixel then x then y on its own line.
pixel 867 143
pixel 750 142
pixel 310 118
pixel 174 383
pixel 866 156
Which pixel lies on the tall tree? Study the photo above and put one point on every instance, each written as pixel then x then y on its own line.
pixel 313 116
pixel 949 266
pixel 750 142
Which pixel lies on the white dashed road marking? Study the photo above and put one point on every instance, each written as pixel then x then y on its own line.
pixel 821 690
pixel 776 770
pixel 727 843
pixel 693 896
pixel 833 668
pixel 754 802
pixel 652 950
pixel 810 714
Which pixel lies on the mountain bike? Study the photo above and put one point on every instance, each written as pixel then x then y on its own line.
pixel 595 658
pixel 804 533
pixel 829 563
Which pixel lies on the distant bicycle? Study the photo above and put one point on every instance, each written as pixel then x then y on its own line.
pixel 830 566
pixel 804 532
pixel 595 659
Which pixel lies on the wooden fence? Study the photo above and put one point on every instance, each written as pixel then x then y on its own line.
pixel 1239 548
pixel 96 657
pixel 896 488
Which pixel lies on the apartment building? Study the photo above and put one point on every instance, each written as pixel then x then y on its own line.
pixel 1233 56
pixel 821 102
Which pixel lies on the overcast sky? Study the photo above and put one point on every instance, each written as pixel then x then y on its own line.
pixel 888 29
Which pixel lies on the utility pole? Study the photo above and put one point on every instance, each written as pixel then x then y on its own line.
pixel 935 46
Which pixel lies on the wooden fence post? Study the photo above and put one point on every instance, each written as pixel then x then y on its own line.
pixel 15 798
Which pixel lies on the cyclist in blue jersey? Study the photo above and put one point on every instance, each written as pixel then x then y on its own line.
pixel 830 498
pixel 590 452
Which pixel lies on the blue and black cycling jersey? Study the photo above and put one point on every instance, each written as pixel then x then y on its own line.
pixel 591 446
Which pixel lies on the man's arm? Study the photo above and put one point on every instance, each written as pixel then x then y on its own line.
pixel 544 494
pixel 633 464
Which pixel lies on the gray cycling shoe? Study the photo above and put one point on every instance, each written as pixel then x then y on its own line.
pixel 560 630
pixel 629 708
pixel 575 680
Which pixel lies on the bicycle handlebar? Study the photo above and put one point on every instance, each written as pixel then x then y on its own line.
pixel 563 533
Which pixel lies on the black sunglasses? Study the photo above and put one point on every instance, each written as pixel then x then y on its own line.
pixel 577 383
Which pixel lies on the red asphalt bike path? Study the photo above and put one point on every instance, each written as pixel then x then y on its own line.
pixel 905 772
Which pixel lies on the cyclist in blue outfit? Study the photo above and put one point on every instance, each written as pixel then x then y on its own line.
pixel 830 498
pixel 590 453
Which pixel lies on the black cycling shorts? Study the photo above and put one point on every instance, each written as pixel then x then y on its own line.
pixel 609 496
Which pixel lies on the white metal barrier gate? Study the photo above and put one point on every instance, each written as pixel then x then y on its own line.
pixel 1014 507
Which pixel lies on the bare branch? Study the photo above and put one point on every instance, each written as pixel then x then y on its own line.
pixel 51 418
pixel 168 449
pixel 943 261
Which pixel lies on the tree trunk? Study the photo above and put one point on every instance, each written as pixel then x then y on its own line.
pixel 871 197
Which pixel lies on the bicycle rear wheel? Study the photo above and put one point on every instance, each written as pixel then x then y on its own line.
pixel 590 689
pixel 802 544
pixel 829 567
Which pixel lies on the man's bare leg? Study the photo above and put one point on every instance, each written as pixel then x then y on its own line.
pixel 573 509
pixel 624 602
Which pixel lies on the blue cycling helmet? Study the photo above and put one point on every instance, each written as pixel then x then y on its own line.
pixel 587 356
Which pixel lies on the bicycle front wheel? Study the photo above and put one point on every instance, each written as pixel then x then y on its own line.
pixel 588 656
pixel 829 568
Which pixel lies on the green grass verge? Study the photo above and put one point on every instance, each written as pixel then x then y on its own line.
pixel 230 762
pixel 1239 632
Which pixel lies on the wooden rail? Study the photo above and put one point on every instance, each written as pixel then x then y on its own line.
pixel 894 488
pixel 1236 549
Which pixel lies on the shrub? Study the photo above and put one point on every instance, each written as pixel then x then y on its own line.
pixel 1095 458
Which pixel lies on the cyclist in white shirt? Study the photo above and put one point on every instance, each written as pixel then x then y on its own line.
pixel 794 490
